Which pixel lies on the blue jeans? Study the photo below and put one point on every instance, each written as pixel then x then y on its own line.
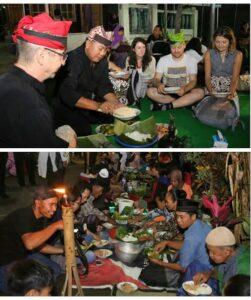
pixel 55 268
pixel 3 278
pixel 191 270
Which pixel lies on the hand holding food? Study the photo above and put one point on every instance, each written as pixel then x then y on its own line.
pixel 156 261
pixel 106 107
pixel 200 277
pixel 160 246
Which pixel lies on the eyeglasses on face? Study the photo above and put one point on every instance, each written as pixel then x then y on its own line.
pixel 64 55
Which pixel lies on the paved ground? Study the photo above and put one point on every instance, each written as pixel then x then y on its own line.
pixel 21 196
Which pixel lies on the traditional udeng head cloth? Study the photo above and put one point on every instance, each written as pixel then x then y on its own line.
pixel 220 237
pixel 99 34
pixel 176 38
pixel 42 30
pixel 188 206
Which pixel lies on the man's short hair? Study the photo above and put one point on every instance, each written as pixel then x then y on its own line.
pixel 44 192
pixel 26 51
pixel 26 275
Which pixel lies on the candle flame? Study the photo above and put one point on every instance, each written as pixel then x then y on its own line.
pixel 60 190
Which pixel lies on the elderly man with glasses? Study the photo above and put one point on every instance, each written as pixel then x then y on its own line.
pixel 25 117
pixel 86 95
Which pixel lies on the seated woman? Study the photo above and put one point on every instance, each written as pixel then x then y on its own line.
pixel 119 47
pixel 223 65
pixel 140 59
pixel 178 183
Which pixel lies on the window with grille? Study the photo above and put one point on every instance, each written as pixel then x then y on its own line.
pixel 68 11
pixel 139 20
pixel 34 9
pixel 186 20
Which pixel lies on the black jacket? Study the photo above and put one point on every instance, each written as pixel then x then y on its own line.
pixel 25 118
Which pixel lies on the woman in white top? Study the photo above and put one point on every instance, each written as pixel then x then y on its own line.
pixel 139 58
pixel 194 48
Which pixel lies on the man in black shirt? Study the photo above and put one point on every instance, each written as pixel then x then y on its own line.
pixel 86 95
pixel 25 231
pixel 25 117
pixel 156 35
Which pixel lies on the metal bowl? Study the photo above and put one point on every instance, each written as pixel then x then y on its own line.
pixel 128 252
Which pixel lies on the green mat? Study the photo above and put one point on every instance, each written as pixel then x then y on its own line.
pixel 200 134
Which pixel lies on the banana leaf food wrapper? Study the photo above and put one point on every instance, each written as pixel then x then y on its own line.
pixel 143 132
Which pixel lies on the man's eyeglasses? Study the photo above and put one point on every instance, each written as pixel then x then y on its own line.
pixel 64 55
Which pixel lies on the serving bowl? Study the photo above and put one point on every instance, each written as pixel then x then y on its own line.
pixel 128 252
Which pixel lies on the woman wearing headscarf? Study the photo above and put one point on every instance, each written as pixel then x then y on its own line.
pixel 119 47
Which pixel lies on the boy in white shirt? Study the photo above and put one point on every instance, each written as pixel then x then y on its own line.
pixel 175 78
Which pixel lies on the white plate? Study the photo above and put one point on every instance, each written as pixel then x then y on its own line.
pixel 136 211
pixel 130 117
pixel 119 74
pixel 101 243
pixel 202 289
pixel 221 95
pixel 129 238
pixel 122 222
pixel 132 285
pixel 171 89
pixel 103 253
pixel 107 225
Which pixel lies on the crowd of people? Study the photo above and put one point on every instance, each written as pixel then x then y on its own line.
pixel 85 91
pixel 32 253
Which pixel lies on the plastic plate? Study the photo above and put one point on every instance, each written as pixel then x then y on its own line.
pixel 172 89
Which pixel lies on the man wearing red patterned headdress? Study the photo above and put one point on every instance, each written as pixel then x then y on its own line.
pixel 25 118
pixel 86 96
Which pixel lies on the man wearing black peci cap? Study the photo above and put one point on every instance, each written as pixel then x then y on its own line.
pixel 86 95
pixel 191 249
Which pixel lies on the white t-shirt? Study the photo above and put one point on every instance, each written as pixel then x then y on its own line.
pixel 195 55
pixel 176 72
